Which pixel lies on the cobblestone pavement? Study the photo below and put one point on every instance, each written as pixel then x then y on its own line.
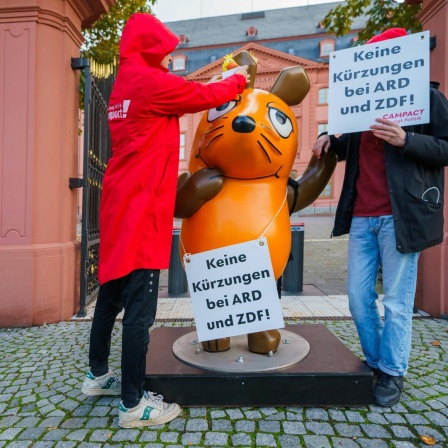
pixel 41 404
pixel 42 369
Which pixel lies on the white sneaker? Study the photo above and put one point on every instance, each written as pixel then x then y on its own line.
pixel 151 410
pixel 108 384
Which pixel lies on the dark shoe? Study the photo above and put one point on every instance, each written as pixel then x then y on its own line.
pixel 388 390
pixel 376 372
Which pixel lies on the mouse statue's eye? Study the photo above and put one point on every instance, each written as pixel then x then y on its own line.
pixel 214 114
pixel 280 121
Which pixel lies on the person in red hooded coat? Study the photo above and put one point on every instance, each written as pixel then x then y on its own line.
pixel 137 208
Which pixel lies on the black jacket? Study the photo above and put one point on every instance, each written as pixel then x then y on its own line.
pixel 415 176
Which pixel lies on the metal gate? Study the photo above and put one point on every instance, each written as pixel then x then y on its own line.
pixel 97 150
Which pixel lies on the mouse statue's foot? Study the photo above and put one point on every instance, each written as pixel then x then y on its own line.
pixel 263 342
pixel 216 345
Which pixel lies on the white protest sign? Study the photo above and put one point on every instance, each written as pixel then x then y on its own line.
pixel 233 290
pixel 387 79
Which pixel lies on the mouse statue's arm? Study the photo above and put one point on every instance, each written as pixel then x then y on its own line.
pixel 312 182
pixel 194 190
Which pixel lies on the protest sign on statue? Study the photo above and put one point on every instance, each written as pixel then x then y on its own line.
pixel 387 79
pixel 233 290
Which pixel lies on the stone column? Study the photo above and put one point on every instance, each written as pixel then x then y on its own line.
pixel 39 254
pixel 432 284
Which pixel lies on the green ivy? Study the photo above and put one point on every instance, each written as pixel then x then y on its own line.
pixel 103 38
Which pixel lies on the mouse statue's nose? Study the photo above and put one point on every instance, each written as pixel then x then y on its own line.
pixel 243 124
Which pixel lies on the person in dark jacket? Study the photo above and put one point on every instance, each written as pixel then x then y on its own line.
pixel 391 205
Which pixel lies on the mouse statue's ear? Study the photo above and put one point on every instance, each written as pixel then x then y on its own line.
pixel 245 58
pixel 291 85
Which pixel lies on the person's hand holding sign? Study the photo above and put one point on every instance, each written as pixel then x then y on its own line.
pixel 390 132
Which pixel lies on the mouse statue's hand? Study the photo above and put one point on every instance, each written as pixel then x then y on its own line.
pixel 194 190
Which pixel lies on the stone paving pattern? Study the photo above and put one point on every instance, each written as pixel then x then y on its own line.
pixel 42 369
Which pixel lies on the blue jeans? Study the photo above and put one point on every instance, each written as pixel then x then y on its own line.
pixel 386 345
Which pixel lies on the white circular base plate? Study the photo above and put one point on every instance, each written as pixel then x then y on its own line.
pixel 292 349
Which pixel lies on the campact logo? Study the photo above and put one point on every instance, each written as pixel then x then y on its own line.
pixel 119 110
pixel 126 104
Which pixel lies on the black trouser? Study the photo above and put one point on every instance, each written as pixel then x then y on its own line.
pixel 137 294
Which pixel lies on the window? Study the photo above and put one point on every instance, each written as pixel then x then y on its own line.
pixel 182 146
pixel 183 39
pixel 252 15
pixel 251 31
pixel 323 95
pixel 321 127
pixel 328 190
pixel 325 50
pixel 326 46
pixel 179 62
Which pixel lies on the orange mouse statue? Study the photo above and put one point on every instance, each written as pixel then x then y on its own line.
pixel 236 187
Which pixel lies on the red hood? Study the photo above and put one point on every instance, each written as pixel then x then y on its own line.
pixel 391 33
pixel 146 37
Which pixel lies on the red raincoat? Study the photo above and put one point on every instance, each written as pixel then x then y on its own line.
pixel 139 188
